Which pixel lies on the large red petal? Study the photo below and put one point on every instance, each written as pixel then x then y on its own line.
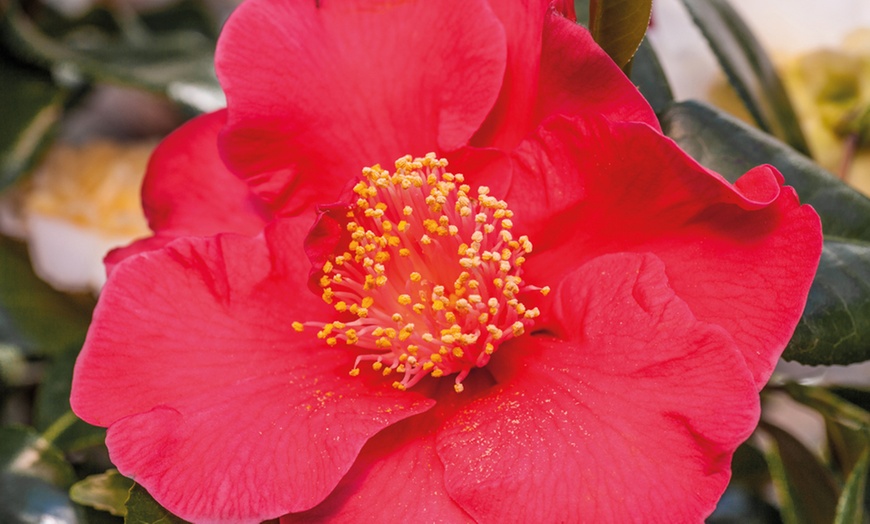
pixel 214 403
pixel 511 118
pixel 742 256
pixel 578 76
pixel 554 67
pixel 318 90
pixel 398 477
pixel 188 191
pixel 629 409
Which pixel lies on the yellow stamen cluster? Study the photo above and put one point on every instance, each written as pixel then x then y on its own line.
pixel 431 277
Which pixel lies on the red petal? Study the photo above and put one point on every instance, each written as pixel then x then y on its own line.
pixel 188 191
pixel 318 91
pixel 742 256
pixel 632 408
pixel 554 67
pixel 214 403
pixel 577 76
pixel 397 478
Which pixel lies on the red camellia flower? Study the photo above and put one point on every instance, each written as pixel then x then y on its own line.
pixel 557 317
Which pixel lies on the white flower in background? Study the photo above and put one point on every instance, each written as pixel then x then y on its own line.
pixel 81 202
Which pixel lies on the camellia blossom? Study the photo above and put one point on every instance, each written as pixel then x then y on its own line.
pixel 556 316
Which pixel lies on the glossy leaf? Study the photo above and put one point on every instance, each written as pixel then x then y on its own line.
pixel 34 478
pixel 835 327
pixel 143 509
pixel 176 63
pixel 31 111
pixel 33 316
pixel 749 69
pixel 850 507
pixel 107 492
pixel 806 490
pixel 618 26
pixel 647 73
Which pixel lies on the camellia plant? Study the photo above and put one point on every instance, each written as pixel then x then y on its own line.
pixel 557 313
pixel 443 261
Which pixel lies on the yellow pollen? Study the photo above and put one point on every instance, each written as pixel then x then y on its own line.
pixel 429 282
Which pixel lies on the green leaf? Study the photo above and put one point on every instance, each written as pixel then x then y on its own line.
pixel 177 63
pixel 34 479
pixel 31 111
pixel 107 491
pixel 52 404
pixel 143 509
pixel 806 490
pixel 647 73
pixel 831 406
pixel 33 316
pixel 749 69
pixel 618 26
pixel 850 507
pixel 845 446
pixel 835 326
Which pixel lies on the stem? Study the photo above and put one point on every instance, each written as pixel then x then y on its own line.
pixel 849 150
pixel 59 426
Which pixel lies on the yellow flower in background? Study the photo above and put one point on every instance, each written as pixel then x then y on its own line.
pixel 81 202
pixel 830 89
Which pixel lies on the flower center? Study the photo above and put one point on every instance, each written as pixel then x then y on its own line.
pixel 427 277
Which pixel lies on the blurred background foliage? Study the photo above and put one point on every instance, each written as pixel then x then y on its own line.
pixel 143 69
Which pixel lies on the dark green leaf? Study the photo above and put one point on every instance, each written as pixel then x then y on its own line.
pixel 647 73
pixel 806 490
pixel 618 26
pixel 30 112
pixel 143 509
pixel 749 69
pixel 835 326
pixel 749 468
pixel 52 403
pixel 845 446
pixel 730 147
pixel 850 508
pixel 178 63
pixel 184 15
pixel 33 316
pixel 34 479
pixel 107 491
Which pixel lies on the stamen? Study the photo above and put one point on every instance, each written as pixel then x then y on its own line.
pixel 430 278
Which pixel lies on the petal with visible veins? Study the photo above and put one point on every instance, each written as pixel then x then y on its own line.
pixel 383 79
pixel 224 411
pixel 627 406
pixel 622 187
